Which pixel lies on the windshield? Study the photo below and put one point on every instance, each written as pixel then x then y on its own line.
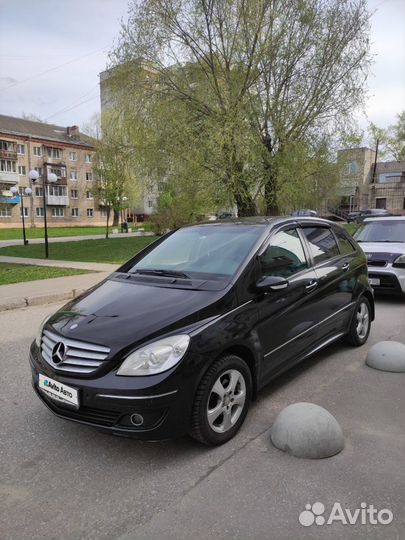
pixel 201 251
pixel 381 231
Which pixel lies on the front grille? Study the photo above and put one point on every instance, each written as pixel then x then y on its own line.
pixel 387 281
pixel 79 357
pixel 377 263
pixel 100 417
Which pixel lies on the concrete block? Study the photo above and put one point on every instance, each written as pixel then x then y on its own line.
pixel 387 356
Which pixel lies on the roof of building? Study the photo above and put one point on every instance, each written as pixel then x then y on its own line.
pixel 9 125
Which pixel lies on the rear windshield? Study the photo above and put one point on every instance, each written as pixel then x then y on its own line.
pixel 381 231
pixel 205 251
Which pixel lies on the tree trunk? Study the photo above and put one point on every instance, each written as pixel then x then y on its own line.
pixel 116 218
pixel 108 219
pixel 246 206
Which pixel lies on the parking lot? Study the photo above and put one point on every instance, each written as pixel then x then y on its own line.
pixel 64 481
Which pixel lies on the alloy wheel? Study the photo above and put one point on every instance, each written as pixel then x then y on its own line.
pixel 363 320
pixel 226 401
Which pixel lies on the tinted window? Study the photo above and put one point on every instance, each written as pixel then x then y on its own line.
pixel 322 243
pixel 345 245
pixel 284 255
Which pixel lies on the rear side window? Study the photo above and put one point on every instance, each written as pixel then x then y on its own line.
pixel 322 243
pixel 345 245
pixel 284 256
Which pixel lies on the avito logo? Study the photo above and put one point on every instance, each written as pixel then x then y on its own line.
pixel 365 515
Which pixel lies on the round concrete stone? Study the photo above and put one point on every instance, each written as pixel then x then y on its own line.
pixel 306 430
pixel 387 356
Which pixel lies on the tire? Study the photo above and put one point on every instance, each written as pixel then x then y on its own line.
pixel 222 401
pixel 359 329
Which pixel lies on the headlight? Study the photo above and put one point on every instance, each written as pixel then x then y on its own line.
pixel 41 327
pixel 399 262
pixel 156 357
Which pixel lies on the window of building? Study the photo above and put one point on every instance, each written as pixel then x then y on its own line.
pixel 73 174
pixel 385 178
pixel 22 170
pixel 75 212
pixel 26 212
pixel 89 195
pixel 150 204
pixel 39 170
pixel 103 211
pixel 5 211
pixel 39 212
pixel 344 243
pixel 39 191
pixel 21 149
pixel 38 151
pixel 54 153
pixel 57 191
pixel 381 202
pixel 7 145
pixel 322 243
pixel 58 212
pixel 89 176
pixel 90 212
pixel 54 170
pixel 6 165
pixel 74 193
pixel 88 158
pixel 73 156
pixel 284 256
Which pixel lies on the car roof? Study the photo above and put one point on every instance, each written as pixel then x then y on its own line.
pixel 385 218
pixel 265 221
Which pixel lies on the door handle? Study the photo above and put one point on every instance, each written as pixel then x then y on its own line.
pixel 311 285
pixel 345 267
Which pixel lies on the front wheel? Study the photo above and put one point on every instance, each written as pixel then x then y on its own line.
pixel 360 324
pixel 222 401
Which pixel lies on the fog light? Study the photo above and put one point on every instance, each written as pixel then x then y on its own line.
pixel 136 419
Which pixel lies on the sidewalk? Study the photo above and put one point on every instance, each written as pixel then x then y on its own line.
pixel 96 267
pixel 51 240
pixel 45 291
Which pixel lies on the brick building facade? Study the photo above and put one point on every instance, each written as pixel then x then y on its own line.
pixel 47 148
pixel 366 183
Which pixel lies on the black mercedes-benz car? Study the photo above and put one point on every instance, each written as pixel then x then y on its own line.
pixel 182 337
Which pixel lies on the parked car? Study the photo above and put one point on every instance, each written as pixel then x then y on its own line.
pixel 304 212
pixel 383 241
pixel 182 337
pixel 352 216
pixel 371 212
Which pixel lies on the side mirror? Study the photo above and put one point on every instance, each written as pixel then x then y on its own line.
pixel 271 283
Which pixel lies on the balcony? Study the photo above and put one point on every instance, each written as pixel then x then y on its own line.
pixel 9 177
pixel 58 200
pixel 7 154
pixel 5 199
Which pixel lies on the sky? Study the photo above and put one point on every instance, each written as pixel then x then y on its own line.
pixel 51 52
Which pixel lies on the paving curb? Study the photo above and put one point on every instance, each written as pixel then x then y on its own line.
pixel 39 300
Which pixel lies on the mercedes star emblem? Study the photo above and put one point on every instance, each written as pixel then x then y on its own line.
pixel 58 352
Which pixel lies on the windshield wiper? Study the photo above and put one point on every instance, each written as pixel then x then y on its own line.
pixel 162 272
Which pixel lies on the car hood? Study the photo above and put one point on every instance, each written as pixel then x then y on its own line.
pixel 119 314
pixel 387 251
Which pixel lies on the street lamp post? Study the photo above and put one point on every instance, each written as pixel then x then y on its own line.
pixel 51 179
pixel 27 191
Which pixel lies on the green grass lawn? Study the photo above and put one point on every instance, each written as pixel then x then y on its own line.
pixel 38 232
pixel 15 273
pixel 113 250
pixel 350 227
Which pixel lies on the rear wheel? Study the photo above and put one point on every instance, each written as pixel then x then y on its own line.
pixel 360 324
pixel 222 401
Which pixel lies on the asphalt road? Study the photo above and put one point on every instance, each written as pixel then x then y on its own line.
pixel 63 481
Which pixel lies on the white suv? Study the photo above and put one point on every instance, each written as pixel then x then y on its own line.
pixel 383 241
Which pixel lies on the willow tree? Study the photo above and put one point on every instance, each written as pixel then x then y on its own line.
pixel 263 75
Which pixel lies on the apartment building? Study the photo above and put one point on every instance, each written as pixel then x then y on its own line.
pixel 369 183
pixel 26 145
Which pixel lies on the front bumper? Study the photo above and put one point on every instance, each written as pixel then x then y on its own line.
pixel 392 279
pixel 165 408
